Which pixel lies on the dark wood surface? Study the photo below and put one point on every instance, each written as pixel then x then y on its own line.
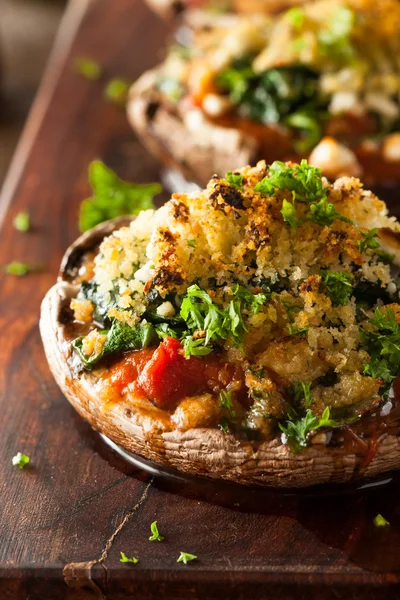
pixel 65 519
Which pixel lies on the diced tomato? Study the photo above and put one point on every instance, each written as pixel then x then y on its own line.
pixel 169 376
pixel 126 371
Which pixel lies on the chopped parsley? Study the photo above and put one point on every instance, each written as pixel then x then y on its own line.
pixel 20 460
pixel 368 240
pixel 195 347
pixel 302 391
pixel 224 425
pixel 112 197
pixel 337 286
pixel 225 401
pixel 296 430
pixel 255 301
pixel 185 557
pixel 380 521
pixel 88 68
pixel 116 90
pixel 289 214
pixel 235 179
pixel 155 536
pixel 191 243
pixel 17 268
pixel 125 559
pixel 383 345
pixel 295 16
pixel 305 184
pixel 296 330
pixel 201 314
pixel 22 222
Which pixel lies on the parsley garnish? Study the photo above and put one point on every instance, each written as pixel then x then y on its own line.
pixel 89 68
pixel 337 286
pixel 291 308
pixel 125 559
pixel 380 521
pixel 17 268
pixel 289 214
pixel 20 460
pixel 235 179
pixel 305 184
pixel 224 425
pixel 116 90
pixel 296 330
pixel 302 391
pixel 296 430
pixel 225 401
pixel 185 557
pixel 195 347
pixel 112 197
pixel 383 345
pixel 155 536
pixel 22 222
pixel 163 330
pixel 200 313
pixel 191 243
pixel 296 16
pixel 368 240
pixel 256 301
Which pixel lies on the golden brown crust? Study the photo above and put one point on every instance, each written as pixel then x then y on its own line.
pixel 209 452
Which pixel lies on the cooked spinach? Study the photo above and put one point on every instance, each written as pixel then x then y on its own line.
pixel 120 338
pixel 288 94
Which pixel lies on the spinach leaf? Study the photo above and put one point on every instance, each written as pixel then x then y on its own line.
pixel 120 338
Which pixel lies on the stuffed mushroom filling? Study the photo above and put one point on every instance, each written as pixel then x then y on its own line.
pixel 322 77
pixel 265 305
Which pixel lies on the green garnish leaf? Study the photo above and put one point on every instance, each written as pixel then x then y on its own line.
pixel 22 222
pixel 324 213
pixel 291 308
pixel 295 16
pixel 117 90
pixel 307 124
pixel 289 214
pixel 335 40
pixel 191 243
pixel 185 557
pixel 195 347
pixel 225 401
pixel 125 559
pixel 337 286
pixel 119 338
pixel 163 330
pixel 296 330
pixel 256 301
pixel 112 197
pixel 296 430
pixel 305 184
pixel 380 521
pixel 235 179
pixel 20 460
pixel 17 268
pixel 88 67
pixel 383 345
pixel 368 240
pixel 200 313
pixel 302 391
pixel 155 536
pixel 224 425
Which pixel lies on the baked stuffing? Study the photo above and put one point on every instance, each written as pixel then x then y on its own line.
pixel 271 295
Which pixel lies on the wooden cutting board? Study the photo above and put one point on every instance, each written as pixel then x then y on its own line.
pixel 65 519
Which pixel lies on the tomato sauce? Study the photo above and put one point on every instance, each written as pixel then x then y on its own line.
pixel 165 376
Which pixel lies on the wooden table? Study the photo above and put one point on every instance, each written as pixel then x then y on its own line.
pixel 65 519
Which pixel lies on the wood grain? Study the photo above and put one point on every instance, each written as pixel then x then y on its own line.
pixel 65 519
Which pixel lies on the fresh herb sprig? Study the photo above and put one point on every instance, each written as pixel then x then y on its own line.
pixel 296 430
pixel 112 197
pixel 155 535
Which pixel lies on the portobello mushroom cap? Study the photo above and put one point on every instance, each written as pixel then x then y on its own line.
pixel 206 451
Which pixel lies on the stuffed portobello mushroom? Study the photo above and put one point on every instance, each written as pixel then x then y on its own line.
pixel 247 332
pixel 320 81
